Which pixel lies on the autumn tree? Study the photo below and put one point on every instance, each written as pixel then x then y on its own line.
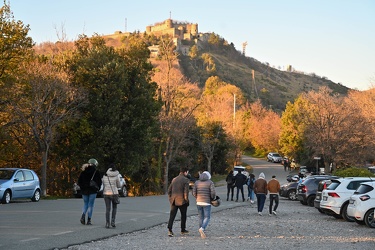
pixel 42 100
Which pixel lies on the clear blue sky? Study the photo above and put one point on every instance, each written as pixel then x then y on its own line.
pixel 331 38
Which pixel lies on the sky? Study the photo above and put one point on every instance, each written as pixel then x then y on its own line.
pixel 330 38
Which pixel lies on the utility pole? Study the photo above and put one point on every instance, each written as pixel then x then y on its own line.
pixel 126 24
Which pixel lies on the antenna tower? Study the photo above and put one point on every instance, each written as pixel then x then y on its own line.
pixel 244 47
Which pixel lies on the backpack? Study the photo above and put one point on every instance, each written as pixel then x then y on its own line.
pixel 230 180
pixel 250 183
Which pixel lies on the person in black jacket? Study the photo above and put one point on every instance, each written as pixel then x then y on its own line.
pixel 240 180
pixel 230 185
pixel 89 193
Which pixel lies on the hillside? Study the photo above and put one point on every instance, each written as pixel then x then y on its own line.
pixel 273 87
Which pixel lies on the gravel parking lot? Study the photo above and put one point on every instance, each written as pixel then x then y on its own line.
pixel 295 227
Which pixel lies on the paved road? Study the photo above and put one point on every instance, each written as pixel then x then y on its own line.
pixel 50 224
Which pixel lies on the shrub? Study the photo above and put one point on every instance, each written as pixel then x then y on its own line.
pixel 353 172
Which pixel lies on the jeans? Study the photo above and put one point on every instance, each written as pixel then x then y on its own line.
pixel 88 204
pixel 109 200
pixel 204 215
pixel 274 197
pixel 230 188
pixel 261 199
pixel 250 193
pixel 238 190
pixel 172 216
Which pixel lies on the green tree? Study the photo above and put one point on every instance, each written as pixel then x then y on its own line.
pixel 122 111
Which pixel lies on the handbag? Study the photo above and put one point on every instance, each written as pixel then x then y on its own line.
pixel 93 183
pixel 116 198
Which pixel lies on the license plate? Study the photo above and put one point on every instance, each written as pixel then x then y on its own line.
pixel 325 198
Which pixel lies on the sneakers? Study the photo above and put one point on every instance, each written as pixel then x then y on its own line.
pixel 269 214
pixel 201 231
pixel 251 201
pixel 274 212
pixel 184 232
pixel 260 213
pixel 170 233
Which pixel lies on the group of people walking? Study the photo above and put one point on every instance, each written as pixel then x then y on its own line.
pixel 90 181
pixel 178 194
pixel 256 187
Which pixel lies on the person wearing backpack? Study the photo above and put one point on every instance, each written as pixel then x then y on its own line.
pixel 230 184
pixel 240 180
pixel 250 188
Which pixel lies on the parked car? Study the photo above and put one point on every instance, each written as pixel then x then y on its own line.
pixel 19 183
pixel 289 190
pixel 122 190
pixel 318 197
pixel 274 157
pixel 362 204
pixel 306 191
pixel 242 169
pixel 335 199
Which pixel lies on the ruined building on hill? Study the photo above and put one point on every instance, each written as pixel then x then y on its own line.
pixel 184 35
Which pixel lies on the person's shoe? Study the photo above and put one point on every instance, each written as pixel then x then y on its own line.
pixel 184 232
pixel 88 221
pixel 82 220
pixel 270 214
pixel 274 212
pixel 260 213
pixel 251 201
pixel 201 231
pixel 113 223
pixel 236 200
pixel 232 199
pixel 247 199
pixel 243 200
pixel 170 233
pixel 107 225
pixel 227 199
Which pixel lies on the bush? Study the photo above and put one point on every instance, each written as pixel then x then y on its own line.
pixel 353 172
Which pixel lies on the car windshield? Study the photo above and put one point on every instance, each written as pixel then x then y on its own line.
pixel 6 174
pixel 276 155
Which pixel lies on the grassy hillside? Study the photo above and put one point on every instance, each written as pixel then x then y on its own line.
pixel 272 86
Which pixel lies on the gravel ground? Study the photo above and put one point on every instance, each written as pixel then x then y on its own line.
pixel 295 227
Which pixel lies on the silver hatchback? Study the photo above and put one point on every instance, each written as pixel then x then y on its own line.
pixel 18 183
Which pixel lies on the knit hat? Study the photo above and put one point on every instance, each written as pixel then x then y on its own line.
pixel 261 175
pixel 205 176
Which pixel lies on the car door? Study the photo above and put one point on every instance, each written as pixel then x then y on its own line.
pixel 18 189
pixel 29 183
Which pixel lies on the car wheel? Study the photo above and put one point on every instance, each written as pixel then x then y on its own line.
pixel 369 218
pixel 344 213
pixel 360 222
pixel 337 216
pixel 36 196
pixel 320 210
pixel 6 197
pixel 123 192
pixel 292 195
pixel 310 200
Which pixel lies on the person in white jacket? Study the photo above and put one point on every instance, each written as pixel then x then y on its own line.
pixel 111 183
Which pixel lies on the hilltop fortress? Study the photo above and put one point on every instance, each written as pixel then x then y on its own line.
pixel 179 31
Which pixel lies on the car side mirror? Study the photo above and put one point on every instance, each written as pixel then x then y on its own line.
pixel 16 180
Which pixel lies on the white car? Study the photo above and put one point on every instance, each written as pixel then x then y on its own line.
pixel 335 199
pixel 242 169
pixel 274 157
pixel 362 204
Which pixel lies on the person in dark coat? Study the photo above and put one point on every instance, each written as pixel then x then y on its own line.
pixel 230 185
pixel 89 193
pixel 240 180
pixel 178 195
